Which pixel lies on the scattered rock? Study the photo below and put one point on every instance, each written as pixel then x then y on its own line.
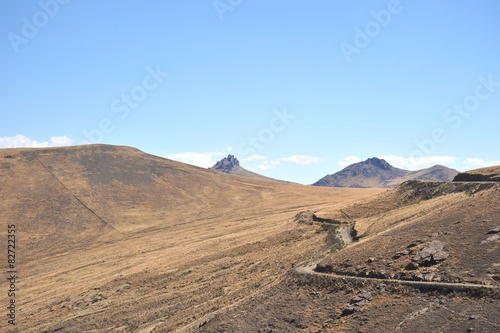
pixel 401 254
pixel 346 264
pixel 266 330
pixel 415 243
pixel 490 239
pixel 427 276
pixel 440 256
pixel 494 231
pixel 412 266
pixel 357 303
pixel 363 298
pixel 304 217
pixel 430 255
pixel 349 311
pixel 372 274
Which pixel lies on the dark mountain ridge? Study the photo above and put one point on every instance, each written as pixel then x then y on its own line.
pixel 375 172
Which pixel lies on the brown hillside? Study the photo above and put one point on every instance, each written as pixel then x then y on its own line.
pixel 484 174
pixel 458 215
pixel 356 295
pixel 110 239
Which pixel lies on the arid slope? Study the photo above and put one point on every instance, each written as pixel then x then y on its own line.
pixel 483 174
pixel 111 239
pixel 354 293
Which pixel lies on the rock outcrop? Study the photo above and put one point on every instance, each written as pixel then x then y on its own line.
pixel 357 303
pixel 227 164
pixel 494 231
pixel 430 255
pixel 231 165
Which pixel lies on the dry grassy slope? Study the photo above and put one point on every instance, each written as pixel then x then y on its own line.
pixel 460 215
pixel 435 173
pixel 300 305
pixel 239 171
pixel 483 174
pixel 114 240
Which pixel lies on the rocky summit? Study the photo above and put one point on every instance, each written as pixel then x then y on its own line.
pixel 231 165
pixel 227 164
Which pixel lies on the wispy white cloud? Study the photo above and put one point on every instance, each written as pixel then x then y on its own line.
pixel 296 159
pixel 20 141
pixel 474 161
pixel 268 165
pixel 416 163
pixel 302 159
pixel 349 160
pixel 204 160
pixel 479 163
pixel 253 158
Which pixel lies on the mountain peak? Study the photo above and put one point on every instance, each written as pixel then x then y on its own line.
pixel 379 163
pixel 376 172
pixel 227 164
pixel 231 165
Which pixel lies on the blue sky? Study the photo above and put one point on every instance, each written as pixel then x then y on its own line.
pixel 295 89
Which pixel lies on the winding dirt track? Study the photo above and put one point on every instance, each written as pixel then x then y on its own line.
pixel 308 270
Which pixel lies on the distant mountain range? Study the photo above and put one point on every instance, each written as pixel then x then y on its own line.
pixel 375 172
pixel 231 165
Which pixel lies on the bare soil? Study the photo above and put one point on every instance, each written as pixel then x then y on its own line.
pixel 110 239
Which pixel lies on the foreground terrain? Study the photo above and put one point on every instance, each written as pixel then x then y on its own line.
pixel 115 240
pixel 371 285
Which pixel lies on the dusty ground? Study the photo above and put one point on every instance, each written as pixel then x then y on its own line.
pixel 114 240
pixel 462 216
pixel 300 305
pixel 461 221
